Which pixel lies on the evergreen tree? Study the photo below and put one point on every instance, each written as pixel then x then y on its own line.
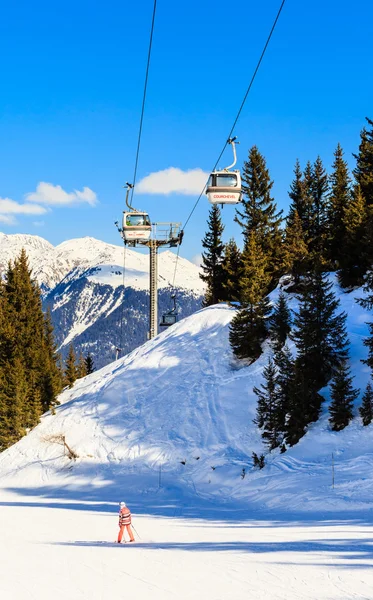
pixel 81 367
pixel 343 396
pixel 89 364
pixel 285 365
pixel 259 213
pixel 295 249
pixel 267 409
pixel 364 163
pixel 52 376
pixel 367 302
pixel 299 204
pixel 302 397
pixel 366 409
pixel 280 323
pixel 338 202
pixel 321 341
pixel 232 267
pixel 248 327
pixel 71 370
pixel 212 258
pixel 318 188
pixel 352 259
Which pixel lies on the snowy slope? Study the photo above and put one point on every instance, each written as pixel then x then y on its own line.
pixel 202 531
pixel 179 398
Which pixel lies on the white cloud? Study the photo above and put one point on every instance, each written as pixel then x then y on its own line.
pixel 7 220
pixel 10 207
pixel 54 195
pixel 197 260
pixel 173 180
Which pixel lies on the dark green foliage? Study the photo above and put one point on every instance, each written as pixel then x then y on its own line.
pixel 295 249
pixel 258 461
pixel 285 365
pixel 28 369
pixel 338 202
pixel 89 364
pixel 366 409
pixel 212 258
pixel 248 328
pixel 364 163
pixel 353 259
pixel 368 303
pixel 303 400
pixel 232 267
pixel 320 333
pixel 259 215
pixel 80 367
pixel 280 323
pixel 322 347
pixel 343 396
pixel 71 368
pixel 267 414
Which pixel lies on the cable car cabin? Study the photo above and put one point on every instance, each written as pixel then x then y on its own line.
pixel 168 319
pixel 224 187
pixel 136 226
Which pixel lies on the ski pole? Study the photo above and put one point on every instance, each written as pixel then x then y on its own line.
pixel 136 531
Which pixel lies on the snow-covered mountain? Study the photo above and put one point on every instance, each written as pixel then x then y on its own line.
pixel 82 281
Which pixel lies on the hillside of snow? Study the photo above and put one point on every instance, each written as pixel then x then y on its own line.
pixel 169 429
pixel 181 398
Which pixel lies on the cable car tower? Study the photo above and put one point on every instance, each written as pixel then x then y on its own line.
pixel 137 230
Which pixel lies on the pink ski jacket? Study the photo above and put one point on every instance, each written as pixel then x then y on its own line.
pixel 124 516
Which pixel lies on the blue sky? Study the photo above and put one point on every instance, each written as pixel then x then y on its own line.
pixel 71 88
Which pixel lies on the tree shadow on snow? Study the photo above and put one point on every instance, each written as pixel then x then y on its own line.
pixel 351 551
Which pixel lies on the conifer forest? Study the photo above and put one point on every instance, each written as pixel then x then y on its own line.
pixel 328 228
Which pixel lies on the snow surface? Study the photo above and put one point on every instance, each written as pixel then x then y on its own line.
pixel 281 533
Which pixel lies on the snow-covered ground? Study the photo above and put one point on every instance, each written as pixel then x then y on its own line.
pixel 169 429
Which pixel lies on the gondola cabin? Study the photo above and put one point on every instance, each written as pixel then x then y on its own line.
pixel 168 319
pixel 136 226
pixel 224 187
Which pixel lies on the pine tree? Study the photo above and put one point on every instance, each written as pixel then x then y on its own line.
pixel 81 368
pixel 352 260
pixel 367 303
pixel 302 396
pixel 285 365
pixel 364 163
pixel 338 202
pixel 259 213
pixel 280 323
pixel 248 327
pixel 321 339
pixel 343 396
pixel 295 249
pixel 232 267
pixel 366 409
pixel 267 409
pixel 89 364
pixel 52 376
pixel 212 259
pixel 318 187
pixel 71 370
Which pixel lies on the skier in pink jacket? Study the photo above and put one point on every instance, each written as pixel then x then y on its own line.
pixel 124 522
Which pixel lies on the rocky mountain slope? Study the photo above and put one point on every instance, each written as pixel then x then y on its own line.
pixel 82 283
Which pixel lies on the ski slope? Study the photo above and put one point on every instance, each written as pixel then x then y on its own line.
pixel 169 429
